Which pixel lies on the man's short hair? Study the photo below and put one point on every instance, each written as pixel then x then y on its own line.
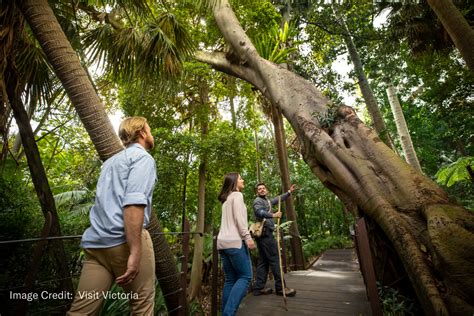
pixel 259 184
pixel 130 128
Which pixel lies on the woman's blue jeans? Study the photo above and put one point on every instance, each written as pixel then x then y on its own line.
pixel 238 274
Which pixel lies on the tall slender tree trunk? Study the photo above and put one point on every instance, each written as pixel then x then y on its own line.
pixel 282 153
pixel 232 87
pixel 257 160
pixel 432 236
pixel 280 138
pixel 367 93
pixel 57 93
pixel 185 184
pixel 402 128
pixel 38 175
pixel 76 82
pixel 458 28
pixel 196 269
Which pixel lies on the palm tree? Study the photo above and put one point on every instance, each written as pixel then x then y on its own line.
pixel 70 72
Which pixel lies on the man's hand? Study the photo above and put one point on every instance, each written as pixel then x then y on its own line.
pixel 133 265
pixel 292 188
pixel 277 214
pixel 250 243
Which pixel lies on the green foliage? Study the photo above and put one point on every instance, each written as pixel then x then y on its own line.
pixel 455 171
pixel 272 46
pixel 194 308
pixel 120 305
pixel 314 245
pixel 138 43
pixel 256 16
pixel 327 119
pixel 395 304
pixel 20 212
pixel 115 306
pixel 20 218
pixel 79 201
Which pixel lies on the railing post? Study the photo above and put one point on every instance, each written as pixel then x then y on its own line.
pixel 184 268
pixel 366 265
pixel 215 275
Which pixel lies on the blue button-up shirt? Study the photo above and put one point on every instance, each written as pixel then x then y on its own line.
pixel 127 178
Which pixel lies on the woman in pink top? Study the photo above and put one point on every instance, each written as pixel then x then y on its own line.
pixel 233 243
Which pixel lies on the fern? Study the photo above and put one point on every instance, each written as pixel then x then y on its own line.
pixel 455 172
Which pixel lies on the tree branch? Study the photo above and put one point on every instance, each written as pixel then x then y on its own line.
pixel 102 17
pixel 218 61
pixel 340 32
pixel 233 33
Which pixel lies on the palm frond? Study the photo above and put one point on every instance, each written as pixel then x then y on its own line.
pixel 74 197
pixel 147 51
pixel 36 72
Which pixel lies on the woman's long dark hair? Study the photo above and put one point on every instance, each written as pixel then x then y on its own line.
pixel 229 186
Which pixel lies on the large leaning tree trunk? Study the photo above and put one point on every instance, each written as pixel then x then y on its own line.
pixel 87 103
pixel 458 28
pixel 432 236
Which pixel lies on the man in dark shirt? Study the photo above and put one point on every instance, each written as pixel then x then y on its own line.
pixel 267 245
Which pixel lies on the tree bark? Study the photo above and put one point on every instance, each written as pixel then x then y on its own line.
pixel 433 236
pixel 74 78
pixel 457 27
pixel 166 270
pixel 402 128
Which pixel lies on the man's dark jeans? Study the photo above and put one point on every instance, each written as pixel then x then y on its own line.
pixel 267 258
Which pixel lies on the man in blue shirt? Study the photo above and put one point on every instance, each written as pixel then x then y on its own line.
pixel 116 245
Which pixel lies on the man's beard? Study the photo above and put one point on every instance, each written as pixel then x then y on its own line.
pixel 149 144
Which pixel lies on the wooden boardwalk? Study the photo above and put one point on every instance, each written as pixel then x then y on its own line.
pixel 332 286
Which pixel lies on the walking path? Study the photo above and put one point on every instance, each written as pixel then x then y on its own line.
pixel 332 286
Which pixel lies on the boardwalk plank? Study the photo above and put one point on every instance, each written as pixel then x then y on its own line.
pixel 332 286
